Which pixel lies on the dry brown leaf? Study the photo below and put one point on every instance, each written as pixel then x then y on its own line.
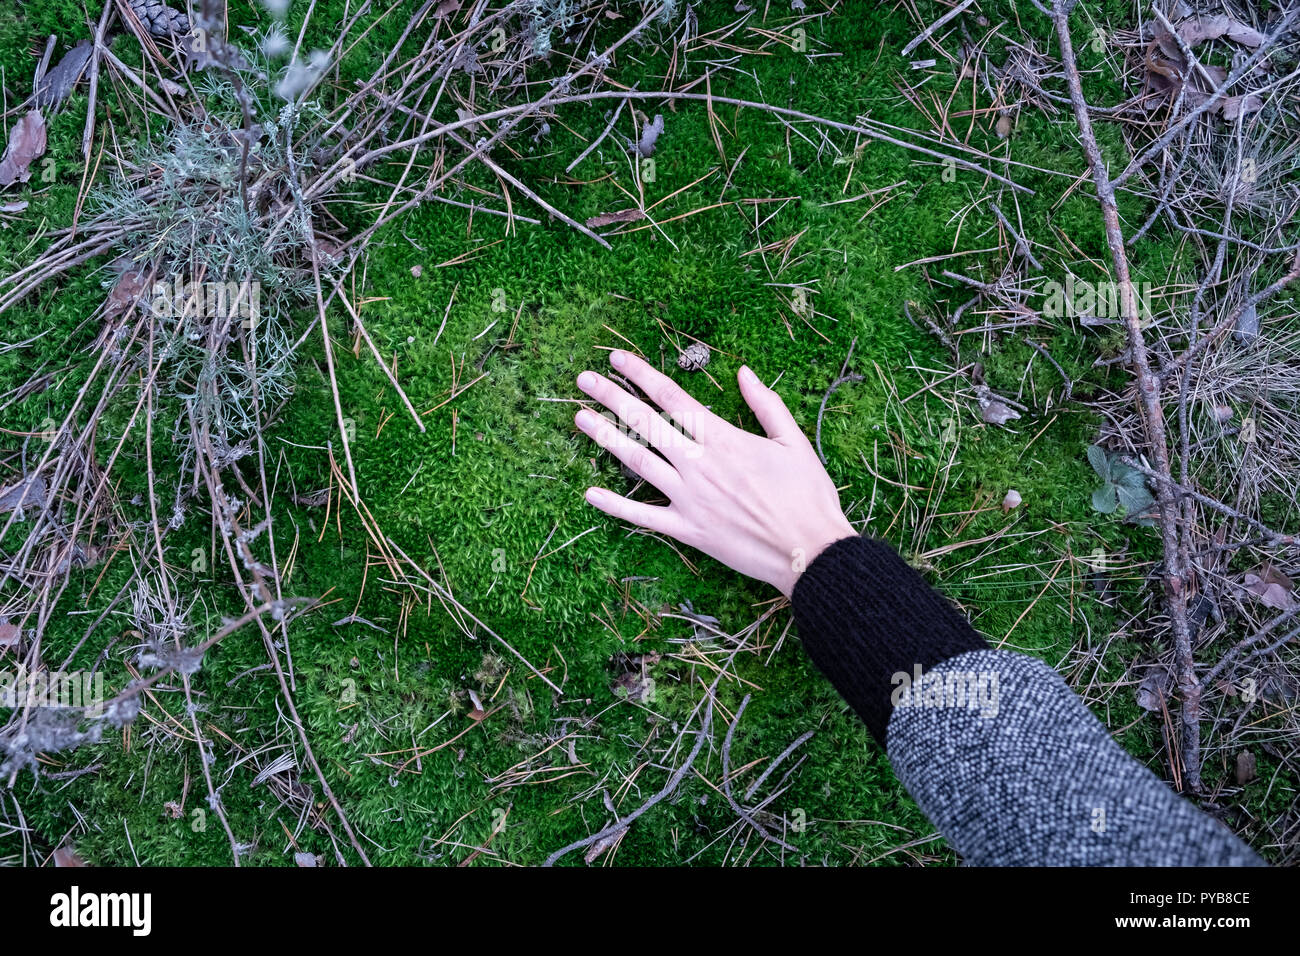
pixel 26 145
pixel 1152 691
pixel 609 218
pixel 1273 588
pixel 127 291
pixel 1167 75
pixel 1199 29
pixel 600 846
pixel 1245 767
pixel 1231 107
pixel 67 856
pixel 997 413
pixel 25 493
pixel 634 685
pixel 59 83
pixel 645 146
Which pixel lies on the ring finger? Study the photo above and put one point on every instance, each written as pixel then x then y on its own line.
pixel 640 417
pixel 636 456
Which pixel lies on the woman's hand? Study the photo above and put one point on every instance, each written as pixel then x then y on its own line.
pixel 763 506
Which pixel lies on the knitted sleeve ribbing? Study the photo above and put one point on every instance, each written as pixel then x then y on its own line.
pixel 865 615
pixel 1005 760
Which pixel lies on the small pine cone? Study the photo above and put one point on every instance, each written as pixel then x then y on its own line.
pixel 694 358
pixel 160 19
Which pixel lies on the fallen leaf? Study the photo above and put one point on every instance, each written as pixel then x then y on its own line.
pixel 1162 76
pixel 600 846
pixel 1245 767
pixel 58 84
pixel 67 856
pixel 1152 691
pixel 1247 328
pixel 463 115
pixel 1199 29
pixel 127 291
pixel 997 413
pixel 1273 588
pixel 608 218
pixel 26 145
pixel 316 499
pixel 1169 75
pixel 1278 683
pixel 1231 107
pixel 25 493
pixel 645 146
pixel 635 685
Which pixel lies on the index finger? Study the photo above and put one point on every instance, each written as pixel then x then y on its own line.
pixel 697 420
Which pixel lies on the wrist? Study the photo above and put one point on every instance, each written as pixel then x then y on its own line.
pixel 810 545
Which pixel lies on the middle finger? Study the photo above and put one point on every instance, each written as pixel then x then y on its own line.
pixel 640 417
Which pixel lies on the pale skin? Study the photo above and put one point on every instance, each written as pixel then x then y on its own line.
pixel 763 506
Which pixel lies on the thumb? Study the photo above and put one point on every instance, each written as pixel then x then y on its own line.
pixel 767 406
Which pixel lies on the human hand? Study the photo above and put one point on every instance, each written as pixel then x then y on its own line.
pixel 763 506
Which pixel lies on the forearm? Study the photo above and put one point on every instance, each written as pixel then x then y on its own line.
pixel 1007 762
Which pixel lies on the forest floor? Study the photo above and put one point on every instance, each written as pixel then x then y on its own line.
pixel 442 744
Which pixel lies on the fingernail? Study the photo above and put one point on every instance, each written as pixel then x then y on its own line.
pixel 587 381
pixel 593 495
pixel 747 375
pixel 586 418
pixel 617 358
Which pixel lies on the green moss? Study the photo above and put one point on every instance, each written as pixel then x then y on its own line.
pixel 500 470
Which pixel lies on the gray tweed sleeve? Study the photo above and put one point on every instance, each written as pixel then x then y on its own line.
pixel 1014 770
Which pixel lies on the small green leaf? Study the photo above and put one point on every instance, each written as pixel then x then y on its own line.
pixel 1134 500
pixel 1128 477
pixel 1100 463
pixel 1103 499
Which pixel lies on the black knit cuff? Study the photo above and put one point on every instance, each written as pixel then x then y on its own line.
pixel 865 615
